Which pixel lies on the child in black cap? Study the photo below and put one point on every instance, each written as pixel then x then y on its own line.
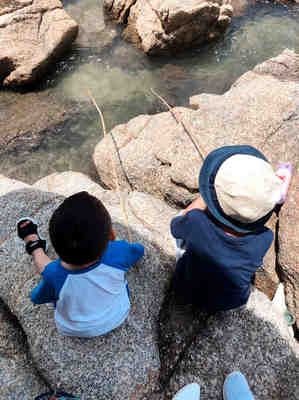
pixel 221 236
pixel 87 282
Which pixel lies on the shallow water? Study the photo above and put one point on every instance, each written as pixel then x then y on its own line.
pixel 121 77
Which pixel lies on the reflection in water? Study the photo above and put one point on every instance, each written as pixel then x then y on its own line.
pixel 120 77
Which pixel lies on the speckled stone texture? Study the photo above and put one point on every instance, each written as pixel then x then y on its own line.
pixel 124 363
pixel 253 341
pixel 33 33
pixel 19 378
pixel 289 247
pixel 169 26
pixel 160 347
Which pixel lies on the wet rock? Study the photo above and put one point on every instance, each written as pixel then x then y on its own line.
pixel 94 31
pixel 33 34
pixel 124 363
pixel 24 116
pixel 170 26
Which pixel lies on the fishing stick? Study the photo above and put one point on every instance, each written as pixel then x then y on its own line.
pixel 113 166
pixel 179 121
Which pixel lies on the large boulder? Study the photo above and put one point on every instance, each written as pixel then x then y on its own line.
pixel 33 34
pixel 18 375
pixel 125 363
pixel 160 347
pixel 169 26
pixel 288 261
pixel 160 154
pixel 254 341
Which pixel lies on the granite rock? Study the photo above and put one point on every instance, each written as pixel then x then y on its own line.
pixel 254 341
pixel 124 363
pixel 18 376
pixel 33 34
pixel 160 347
pixel 288 262
pixel 168 26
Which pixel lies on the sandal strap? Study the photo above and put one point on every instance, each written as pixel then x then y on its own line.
pixel 26 230
pixel 35 244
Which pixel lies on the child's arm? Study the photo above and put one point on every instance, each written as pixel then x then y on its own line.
pixel 43 293
pixel 40 259
pixel 179 225
pixel 136 252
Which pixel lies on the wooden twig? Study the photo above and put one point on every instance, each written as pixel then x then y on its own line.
pixel 114 168
pixel 179 121
pixel 155 11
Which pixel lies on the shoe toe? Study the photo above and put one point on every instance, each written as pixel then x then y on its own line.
pixel 188 392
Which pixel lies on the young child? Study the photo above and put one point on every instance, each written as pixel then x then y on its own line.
pixel 221 236
pixel 87 283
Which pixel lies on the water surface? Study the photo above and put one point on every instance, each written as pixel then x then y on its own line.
pixel 121 77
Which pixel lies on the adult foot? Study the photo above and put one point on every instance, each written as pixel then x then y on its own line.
pixel 188 392
pixel 236 387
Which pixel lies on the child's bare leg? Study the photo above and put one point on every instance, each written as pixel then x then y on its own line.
pixel 40 258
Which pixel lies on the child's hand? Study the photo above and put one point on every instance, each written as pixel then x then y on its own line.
pixel 112 235
pixel 284 172
pixel 196 204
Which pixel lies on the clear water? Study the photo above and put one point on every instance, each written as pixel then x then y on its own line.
pixel 121 77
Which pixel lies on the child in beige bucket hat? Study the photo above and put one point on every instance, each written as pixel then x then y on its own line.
pixel 221 237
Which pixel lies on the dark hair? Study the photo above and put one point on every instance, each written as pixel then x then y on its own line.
pixel 80 229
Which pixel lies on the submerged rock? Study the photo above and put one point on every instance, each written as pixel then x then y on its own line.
pixel 169 26
pixel 33 34
pixel 94 31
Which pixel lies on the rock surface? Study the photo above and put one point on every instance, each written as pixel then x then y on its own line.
pixel 124 363
pixel 150 348
pixel 288 260
pixel 158 157
pixel 18 377
pixel 169 26
pixel 33 34
pixel 252 341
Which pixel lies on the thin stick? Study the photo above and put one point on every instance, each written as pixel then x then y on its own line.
pixel 114 168
pixel 198 148
pixel 155 11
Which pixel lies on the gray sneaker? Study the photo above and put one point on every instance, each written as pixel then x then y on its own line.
pixel 188 392
pixel 236 387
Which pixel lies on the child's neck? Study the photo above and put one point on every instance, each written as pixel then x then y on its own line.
pixel 72 267
pixel 225 228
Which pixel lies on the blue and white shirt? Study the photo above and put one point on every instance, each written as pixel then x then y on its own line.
pixel 92 301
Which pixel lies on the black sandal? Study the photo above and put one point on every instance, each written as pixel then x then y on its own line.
pixel 30 229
